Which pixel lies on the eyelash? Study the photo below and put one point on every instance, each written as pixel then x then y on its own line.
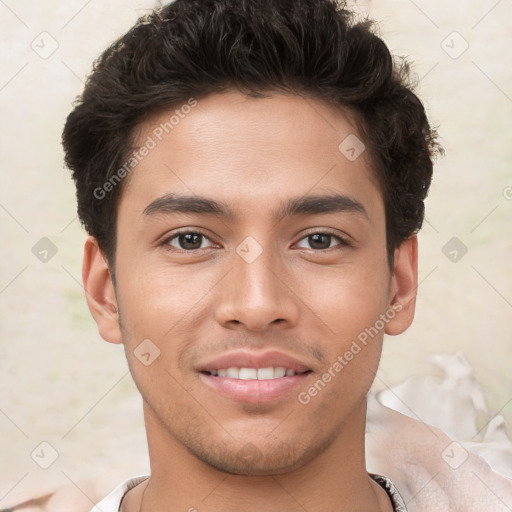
pixel 166 242
pixel 343 242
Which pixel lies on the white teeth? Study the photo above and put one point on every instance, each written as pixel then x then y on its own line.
pixel 279 372
pixel 248 373
pixel 233 373
pixel 268 373
pixel 265 373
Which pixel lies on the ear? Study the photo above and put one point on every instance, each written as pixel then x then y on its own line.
pixel 100 293
pixel 404 284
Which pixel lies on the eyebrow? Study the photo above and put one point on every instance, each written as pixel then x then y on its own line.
pixel 305 205
pixel 173 203
pixel 320 204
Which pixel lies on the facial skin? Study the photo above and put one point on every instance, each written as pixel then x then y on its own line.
pixel 253 155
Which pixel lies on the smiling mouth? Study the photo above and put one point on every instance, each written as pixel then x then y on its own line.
pixel 243 373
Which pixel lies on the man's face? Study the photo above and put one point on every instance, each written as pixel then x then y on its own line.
pixel 254 289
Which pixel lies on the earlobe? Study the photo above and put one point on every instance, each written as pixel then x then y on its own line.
pixel 404 285
pixel 99 292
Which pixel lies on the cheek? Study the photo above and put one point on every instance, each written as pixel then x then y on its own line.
pixel 167 307
pixel 157 298
pixel 346 300
pixel 156 308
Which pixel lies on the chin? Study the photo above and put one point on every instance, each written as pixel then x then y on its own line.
pixel 252 459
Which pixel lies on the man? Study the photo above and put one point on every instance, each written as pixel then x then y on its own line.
pixel 252 176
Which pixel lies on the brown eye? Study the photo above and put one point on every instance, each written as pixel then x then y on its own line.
pixel 186 241
pixel 322 241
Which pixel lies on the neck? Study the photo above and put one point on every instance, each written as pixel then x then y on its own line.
pixel 335 480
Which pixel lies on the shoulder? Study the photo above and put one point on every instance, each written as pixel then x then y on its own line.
pixel 112 501
pixel 78 498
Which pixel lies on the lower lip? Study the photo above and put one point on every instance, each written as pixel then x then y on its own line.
pixel 254 391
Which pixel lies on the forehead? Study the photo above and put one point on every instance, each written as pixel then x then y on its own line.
pixel 239 149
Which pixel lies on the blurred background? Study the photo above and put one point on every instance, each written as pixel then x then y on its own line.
pixel 68 408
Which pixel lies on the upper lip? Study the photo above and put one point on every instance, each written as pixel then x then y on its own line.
pixel 246 359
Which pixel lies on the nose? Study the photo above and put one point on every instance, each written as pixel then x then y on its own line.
pixel 257 295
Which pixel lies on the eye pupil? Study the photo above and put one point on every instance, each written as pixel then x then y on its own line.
pixel 188 239
pixel 321 239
